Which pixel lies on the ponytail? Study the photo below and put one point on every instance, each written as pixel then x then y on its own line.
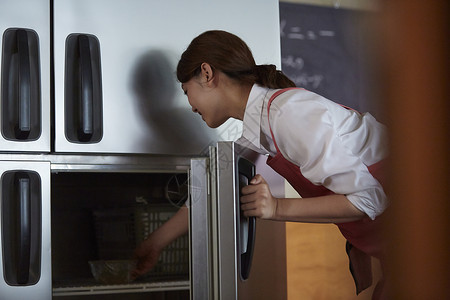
pixel 269 76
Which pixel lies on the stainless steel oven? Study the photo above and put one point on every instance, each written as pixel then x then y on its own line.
pixel 59 212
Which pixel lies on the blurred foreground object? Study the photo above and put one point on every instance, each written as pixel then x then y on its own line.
pixel 415 46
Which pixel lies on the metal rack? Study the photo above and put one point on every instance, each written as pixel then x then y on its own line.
pixel 91 288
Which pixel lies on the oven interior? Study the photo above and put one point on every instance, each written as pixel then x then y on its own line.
pixel 104 216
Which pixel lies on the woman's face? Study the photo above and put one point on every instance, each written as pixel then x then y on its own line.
pixel 206 101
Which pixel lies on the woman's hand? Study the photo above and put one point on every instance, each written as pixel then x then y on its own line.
pixel 257 200
pixel 147 254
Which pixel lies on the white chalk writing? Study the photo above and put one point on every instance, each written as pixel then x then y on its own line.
pixel 298 33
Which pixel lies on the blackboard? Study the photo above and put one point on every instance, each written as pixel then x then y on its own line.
pixel 330 51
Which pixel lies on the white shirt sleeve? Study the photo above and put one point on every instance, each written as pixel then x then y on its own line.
pixel 307 136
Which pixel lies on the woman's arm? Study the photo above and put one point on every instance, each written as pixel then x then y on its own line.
pixel 257 200
pixel 331 146
pixel 148 251
pixel 172 229
pixel 325 209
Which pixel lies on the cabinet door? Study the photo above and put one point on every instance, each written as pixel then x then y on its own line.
pixel 25 263
pixel 25 75
pixel 115 62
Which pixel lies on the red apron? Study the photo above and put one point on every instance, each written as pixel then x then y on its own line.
pixel 363 236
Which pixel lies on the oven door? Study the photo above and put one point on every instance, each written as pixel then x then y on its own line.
pixel 234 257
pixel 25 263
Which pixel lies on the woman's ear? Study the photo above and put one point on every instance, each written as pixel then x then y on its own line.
pixel 207 73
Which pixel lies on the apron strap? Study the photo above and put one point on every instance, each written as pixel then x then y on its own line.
pixel 279 92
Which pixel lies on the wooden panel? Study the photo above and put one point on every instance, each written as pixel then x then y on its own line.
pixel 317 264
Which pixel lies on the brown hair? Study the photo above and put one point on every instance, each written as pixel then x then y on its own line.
pixel 229 54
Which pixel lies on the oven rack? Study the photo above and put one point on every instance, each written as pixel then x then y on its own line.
pixel 84 288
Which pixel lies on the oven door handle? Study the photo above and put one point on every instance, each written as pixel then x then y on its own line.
pixel 247 169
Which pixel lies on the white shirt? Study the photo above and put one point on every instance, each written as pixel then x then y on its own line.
pixel 331 145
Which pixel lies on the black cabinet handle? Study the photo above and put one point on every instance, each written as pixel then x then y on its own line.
pixel 20 85
pixel 83 89
pixel 24 125
pixel 86 101
pixel 247 169
pixel 21 229
pixel 24 227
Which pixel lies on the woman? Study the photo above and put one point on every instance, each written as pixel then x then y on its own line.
pixel 330 154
